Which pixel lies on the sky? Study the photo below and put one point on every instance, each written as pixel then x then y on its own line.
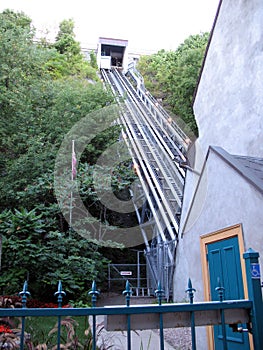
pixel 148 25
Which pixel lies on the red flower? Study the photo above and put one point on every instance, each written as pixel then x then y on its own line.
pixel 5 329
pixel 15 301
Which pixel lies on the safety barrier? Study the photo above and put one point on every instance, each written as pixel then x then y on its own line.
pixel 128 318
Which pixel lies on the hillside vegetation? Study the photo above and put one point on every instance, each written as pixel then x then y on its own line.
pixel 172 76
pixel 45 89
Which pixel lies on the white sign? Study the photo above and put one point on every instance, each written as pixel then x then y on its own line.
pixel 126 273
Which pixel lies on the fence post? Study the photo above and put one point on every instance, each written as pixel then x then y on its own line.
pixel 127 292
pixel 220 289
pixel 255 295
pixel 24 294
pixel 94 293
pixel 60 293
pixel 190 290
pixel 159 293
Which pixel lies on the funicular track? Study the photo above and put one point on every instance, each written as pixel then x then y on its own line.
pixel 157 147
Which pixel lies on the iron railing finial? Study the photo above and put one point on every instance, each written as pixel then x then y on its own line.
pixel 127 292
pixel 25 293
pixel 220 289
pixel 60 293
pixel 159 292
pixel 94 293
pixel 190 290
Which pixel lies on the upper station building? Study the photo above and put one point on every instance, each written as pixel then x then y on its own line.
pixel 112 53
pixel 115 53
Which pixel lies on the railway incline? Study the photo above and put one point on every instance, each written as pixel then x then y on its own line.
pixel 158 148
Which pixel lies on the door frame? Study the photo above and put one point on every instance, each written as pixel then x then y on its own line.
pixel 225 233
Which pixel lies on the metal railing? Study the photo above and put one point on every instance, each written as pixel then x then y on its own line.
pixel 136 273
pixel 128 318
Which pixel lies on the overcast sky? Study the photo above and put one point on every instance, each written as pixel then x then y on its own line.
pixel 146 24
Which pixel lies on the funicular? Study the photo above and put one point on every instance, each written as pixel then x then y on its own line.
pixel 151 132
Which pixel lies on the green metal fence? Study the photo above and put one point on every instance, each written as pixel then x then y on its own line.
pixel 161 316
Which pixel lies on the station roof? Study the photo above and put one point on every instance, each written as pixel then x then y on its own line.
pixel 250 168
pixel 115 42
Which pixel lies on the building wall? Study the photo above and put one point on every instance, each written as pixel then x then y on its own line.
pixel 229 97
pixel 226 199
pixel 229 101
pixel 228 109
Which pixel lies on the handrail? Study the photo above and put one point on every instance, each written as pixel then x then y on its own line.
pixel 132 310
pixel 129 317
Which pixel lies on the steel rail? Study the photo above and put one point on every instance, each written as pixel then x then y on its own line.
pixel 161 221
pixel 182 139
pixel 169 176
pixel 149 141
pixel 155 123
pixel 155 129
pixel 152 174
pixel 162 119
pixel 145 185
pixel 153 182
pixel 151 177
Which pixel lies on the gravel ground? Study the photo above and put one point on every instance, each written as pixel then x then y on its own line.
pixel 178 338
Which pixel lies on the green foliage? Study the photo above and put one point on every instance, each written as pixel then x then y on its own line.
pixel 65 40
pixel 12 20
pixel 41 333
pixel 93 60
pixel 173 76
pixel 23 231
pixel 71 60
pixel 22 224
pixel 108 179
pixel 30 152
pixel 43 93
pixel 31 251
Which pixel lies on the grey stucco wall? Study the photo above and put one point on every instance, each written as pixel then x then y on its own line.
pixel 229 101
pixel 226 199
pixel 228 108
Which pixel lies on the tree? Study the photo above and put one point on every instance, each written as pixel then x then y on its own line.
pixel 173 76
pixel 65 40
pixel 69 49
pixel 183 77
pixel 43 93
pixel 93 60
pixel 15 20
pixel 32 251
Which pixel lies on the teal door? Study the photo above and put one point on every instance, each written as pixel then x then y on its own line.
pixel 224 263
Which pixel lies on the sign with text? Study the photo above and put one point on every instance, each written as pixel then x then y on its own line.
pixel 126 273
